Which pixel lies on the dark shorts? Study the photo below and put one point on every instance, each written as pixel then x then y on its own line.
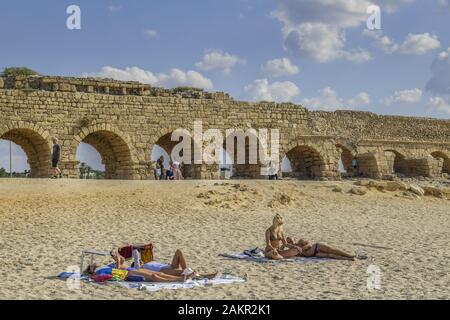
pixel 55 163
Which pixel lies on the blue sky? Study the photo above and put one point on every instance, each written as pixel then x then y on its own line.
pixel 318 53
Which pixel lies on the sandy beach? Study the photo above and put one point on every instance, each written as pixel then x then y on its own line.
pixel 46 223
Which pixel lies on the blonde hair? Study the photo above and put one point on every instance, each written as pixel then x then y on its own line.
pixel 55 140
pixel 275 220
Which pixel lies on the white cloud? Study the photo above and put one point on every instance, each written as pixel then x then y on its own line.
pixel 440 103
pixel 279 68
pixel 174 78
pixel 217 59
pixel 151 33
pixel 417 44
pixel 316 28
pixel 403 97
pixel 328 100
pixel 262 90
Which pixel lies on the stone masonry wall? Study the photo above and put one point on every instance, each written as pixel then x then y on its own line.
pixel 124 120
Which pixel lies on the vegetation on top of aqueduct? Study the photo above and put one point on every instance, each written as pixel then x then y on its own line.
pixel 18 71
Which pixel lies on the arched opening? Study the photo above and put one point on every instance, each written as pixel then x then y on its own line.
pixel 115 154
pixel 36 149
pixel 396 162
pixel 306 162
pixel 345 159
pixel 286 167
pixel 91 166
pixel 13 160
pixel 445 166
pixel 164 147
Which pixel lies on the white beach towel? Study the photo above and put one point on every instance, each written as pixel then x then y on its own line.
pixel 155 286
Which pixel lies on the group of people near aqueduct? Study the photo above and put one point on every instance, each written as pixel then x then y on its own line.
pixel 172 173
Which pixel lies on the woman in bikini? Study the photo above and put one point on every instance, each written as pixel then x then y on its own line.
pixel 277 248
pixel 319 250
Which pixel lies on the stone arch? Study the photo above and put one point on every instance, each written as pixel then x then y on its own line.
pixel 395 162
pixel 306 162
pixel 115 148
pixel 445 166
pixel 189 170
pixel 34 141
pixel 346 156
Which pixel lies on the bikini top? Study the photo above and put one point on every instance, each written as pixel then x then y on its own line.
pixel 274 237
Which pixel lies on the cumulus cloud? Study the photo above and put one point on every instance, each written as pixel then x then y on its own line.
pixel 439 84
pixel 316 28
pixel 328 100
pixel 263 90
pixel 418 44
pixel 151 33
pixel 174 78
pixel 403 97
pixel 279 68
pixel 217 59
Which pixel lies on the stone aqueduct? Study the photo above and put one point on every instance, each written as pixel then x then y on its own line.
pixel 124 120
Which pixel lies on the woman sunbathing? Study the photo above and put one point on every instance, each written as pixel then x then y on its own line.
pixel 276 242
pixel 152 271
pixel 320 250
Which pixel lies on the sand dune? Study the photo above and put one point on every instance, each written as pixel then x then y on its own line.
pixel 46 223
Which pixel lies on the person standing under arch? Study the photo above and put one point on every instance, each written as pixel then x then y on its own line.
pixel 56 159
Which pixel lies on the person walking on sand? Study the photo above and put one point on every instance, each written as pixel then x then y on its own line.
pixel 160 163
pixel 56 158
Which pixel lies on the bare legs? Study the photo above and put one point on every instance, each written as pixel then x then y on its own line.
pixel 282 254
pixel 333 252
pixel 152 276
pixel 323 251
pixel 179 264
